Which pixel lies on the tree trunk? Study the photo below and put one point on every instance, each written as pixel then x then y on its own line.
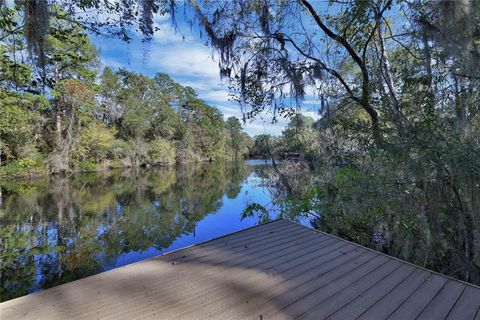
pixel 427 56
pixel 385 66
pixel 459 105
pixel 58 127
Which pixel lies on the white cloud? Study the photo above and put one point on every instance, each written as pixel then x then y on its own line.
pixel 216 96
pixel 311 114
pixel 260 126
pixel 185 60
pixel 188 61
pixel 112 63
pixel 169 32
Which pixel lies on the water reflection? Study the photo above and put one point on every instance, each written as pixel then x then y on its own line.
pixel 64 228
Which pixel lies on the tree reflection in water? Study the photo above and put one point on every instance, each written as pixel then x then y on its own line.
pixel 64 228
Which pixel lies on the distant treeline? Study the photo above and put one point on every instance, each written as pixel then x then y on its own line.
pixel 298 141
pixel 60 115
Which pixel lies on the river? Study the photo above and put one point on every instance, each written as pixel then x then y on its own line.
pixel 59 229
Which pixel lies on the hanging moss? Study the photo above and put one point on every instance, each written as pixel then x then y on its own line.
pixel 36 16
pixel 149 7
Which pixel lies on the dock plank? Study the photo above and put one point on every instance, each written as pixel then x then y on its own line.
pixel 467 305
pixel 414 305
pixel 334 302
pixel 365 300
pixel 443 302
pixel 388 303
pixel 317 292
pixel 279 270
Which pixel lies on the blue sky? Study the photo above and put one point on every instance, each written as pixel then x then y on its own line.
pixel 183 55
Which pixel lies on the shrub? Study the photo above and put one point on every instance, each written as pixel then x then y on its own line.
pixel 57 163
pixel 120 149
pixel 161 152
pixel 86 165
pixel 116 164
pixel 24 167
pixel 96 141
pixel 185 155
pixel 14 128
pixel 139 152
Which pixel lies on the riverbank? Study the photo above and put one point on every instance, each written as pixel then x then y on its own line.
pixel 26 169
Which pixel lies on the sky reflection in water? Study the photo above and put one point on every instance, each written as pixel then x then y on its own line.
pixel 60 229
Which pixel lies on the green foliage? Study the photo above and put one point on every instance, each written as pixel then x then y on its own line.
pixel 70 51
pixel 264 145
pixel 19 118
pixel 239 143
pixel 12 73
pixel 300 136
pixel 23 168
pixel 127 119
pixel 256 210
pixel 119 149
pixel 161 152
pixel 15 129
pixel 96 142
pixel 86 165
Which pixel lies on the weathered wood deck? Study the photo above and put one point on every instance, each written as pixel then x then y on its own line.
pixel 278 270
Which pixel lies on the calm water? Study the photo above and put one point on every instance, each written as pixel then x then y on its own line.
pixel 60 229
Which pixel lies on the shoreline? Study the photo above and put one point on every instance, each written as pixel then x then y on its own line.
pixel 36 176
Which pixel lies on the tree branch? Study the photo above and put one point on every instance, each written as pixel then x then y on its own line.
pixel 364 100
pixel 324 67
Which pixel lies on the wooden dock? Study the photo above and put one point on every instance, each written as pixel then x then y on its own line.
pixel 279 270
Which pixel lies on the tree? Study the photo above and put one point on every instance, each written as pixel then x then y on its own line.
pixel 15 129
pixel 57 93
pixel 239 141
pixel 19 120
pixel 74 102
pixel 161 152
pixel 299 136
pixel 109 107
pixel 109 19
pixel 96 141
pixel 265 145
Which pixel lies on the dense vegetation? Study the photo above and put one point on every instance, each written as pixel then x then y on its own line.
pixel 397 150
pixel 398 146
pixel 62 115
pixel 299 137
